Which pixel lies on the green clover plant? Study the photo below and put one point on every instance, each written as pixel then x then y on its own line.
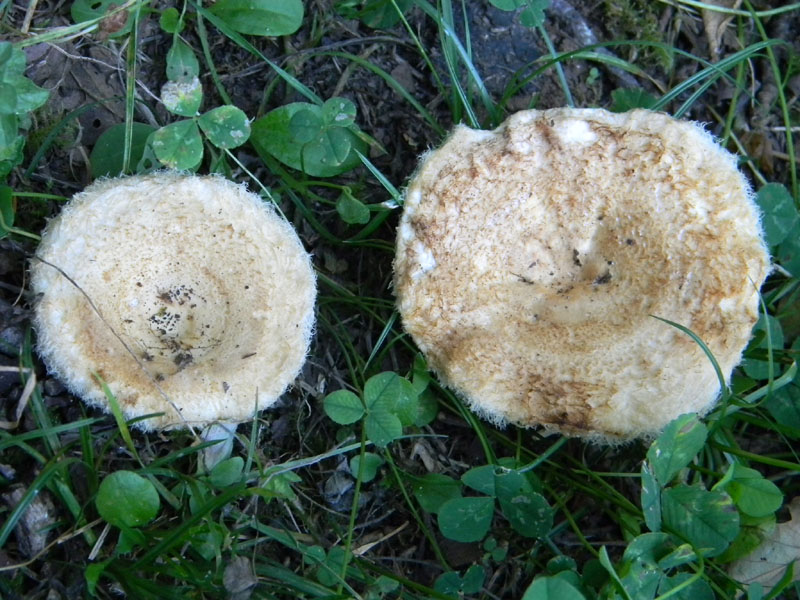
pixel 19 96
pixel 321 141
pixel 179 145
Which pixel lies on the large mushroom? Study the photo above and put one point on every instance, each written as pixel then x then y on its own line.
pixel 188 296
pixel 532 261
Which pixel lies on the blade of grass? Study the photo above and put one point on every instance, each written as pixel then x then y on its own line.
pixel 785 112
pixel 130 89
pixel 562 78
pixel 52 469
pixel 116 411
pixel 202 35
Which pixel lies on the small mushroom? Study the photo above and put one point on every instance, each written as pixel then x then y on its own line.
pixel 187 295
pixel 532 259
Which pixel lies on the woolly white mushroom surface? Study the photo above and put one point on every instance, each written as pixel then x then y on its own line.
pixel 209 289
pixel 532 260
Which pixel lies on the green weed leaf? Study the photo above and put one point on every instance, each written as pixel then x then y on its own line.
pixel 8 99
pixel 126 499
pixel 207 540
pixel 18 96
pixel 338 112
pixel 757 368
pixel 427 408
pixel 552 588
pixel 29 96
pixel 682 555
pixel 227 472
pixel 480 479
pixel 389 391
pixel 708 519
pixel 675 448
pixel 331 148
pixel 788 253
pixel 328 572
pixel 473 580
pixel 10 146
pixel 466 519
pixel 260 17
pixel 532 14
pixel 128 540
pixel 107 154
pixel 624 100
pixel 448 583
pixel 784 405
pixel 779 214
pixel 752 534
pixel 280 485
pixel 182 98
pixel 528 512
pixel 382 427
pixel 343 407
pixel 379 14
pixel 383 395
pixel 641 568
pixel 560 563
pixel 149 161
pixel 640 563
pixel 272 136
pixel 752 494
pixel 507 5
pixel 169 21
pixel 182 65
pixel 92 574
pixel 305 125
pixel 434 489
pixel 6 210
pixel 9 125
pixel 386 585
pixel 372 462
pixel 12 63
pixel 179 145
pixel 697 590
pixel 225 126
pixel 651 498
pixel 453 584
pixel 352 210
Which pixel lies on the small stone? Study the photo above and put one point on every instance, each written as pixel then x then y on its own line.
pixel 53 387
pixel 32 528
pixel 11 339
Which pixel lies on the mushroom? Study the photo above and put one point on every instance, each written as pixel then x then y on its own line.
pixel 532 259
pixel 188 296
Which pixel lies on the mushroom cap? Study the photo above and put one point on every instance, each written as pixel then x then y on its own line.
pixel 209 289
pixel 532 259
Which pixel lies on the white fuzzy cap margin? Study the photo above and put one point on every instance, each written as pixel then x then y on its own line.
pixel 203 298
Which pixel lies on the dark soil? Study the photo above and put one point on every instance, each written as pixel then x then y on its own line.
pixel 87 78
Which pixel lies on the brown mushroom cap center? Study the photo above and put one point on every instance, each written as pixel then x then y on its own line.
pixel 532 259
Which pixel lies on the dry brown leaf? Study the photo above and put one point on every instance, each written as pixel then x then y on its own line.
pixel 760 148
pixel 767 563
pixel 715 23
pixel 239 578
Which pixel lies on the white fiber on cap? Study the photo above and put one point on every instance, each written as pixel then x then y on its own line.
pixel 532 260
pixel 210 290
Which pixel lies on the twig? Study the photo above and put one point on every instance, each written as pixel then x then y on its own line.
pixel 585 36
